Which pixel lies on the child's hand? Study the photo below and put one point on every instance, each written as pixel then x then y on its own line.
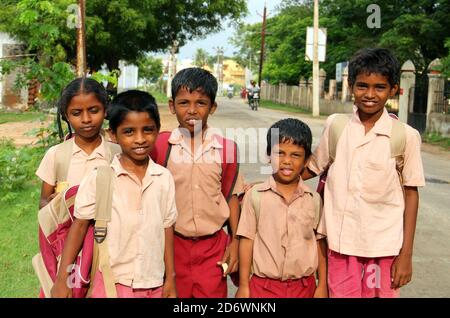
pixel 401 271
pixel 230 258
pixel 321 292
pixel 169 289
pixel 60 290
pixel 243 292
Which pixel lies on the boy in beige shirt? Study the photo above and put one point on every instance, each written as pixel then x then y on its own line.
pixel 280 235
pixel 370 213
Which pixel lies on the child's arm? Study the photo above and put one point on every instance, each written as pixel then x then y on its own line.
pixel 72 247
pixel 231 256
pixel 308 174
pixel 245 263
pixel 402 266
pixel 169 288
pixel 322 286
pixel 47 194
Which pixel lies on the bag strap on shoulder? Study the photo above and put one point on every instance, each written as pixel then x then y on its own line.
pixel 398 143
pixel 256 202
pixel 230 166
pixel 317 208
pixel 103 207
pixel 336 128
pixel 63 155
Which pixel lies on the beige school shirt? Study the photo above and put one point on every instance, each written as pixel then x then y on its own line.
pixel 81 164
pixel 364 201
pixel 202 208
pixel 140 213
pixel 284 237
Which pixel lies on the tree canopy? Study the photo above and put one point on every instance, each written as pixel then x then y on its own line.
pixel 115 29
pixel 412 29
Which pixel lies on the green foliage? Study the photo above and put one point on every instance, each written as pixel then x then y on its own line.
pixel 437 139
pixel 109 77
pixel 412 29
pixel 17 167
pixel 202 58
pixel 150 68
pixel 446 60
pixel 10 117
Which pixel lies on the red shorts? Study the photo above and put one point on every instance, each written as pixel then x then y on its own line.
pixel 273 288
pixel 197 272
pixel 98 290
pixel 360 277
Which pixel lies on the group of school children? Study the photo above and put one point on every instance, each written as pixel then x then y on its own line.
pixel 166 235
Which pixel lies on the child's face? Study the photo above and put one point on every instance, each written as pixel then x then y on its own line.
pixel 288 161
pixel 371 93
pixel 192 109
pixel 136 135
pixel 85 114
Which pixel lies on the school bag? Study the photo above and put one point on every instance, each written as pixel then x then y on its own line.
pixel 397 145
pixel 54 221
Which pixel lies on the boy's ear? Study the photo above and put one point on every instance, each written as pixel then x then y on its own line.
pixel 172 106
pixel 213 108
pixel 394 90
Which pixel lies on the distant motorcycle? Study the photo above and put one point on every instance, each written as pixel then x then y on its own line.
pixel 230 95
pixel 254 101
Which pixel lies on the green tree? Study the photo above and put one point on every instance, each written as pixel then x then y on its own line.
pixel 202 58
pixel 150 68
pixel 116 30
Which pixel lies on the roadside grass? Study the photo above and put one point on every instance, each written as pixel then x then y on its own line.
pixel 438 140
pixel 19 243
pixel 9 117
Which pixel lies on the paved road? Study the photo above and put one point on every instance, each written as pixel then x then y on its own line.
pixel 431 262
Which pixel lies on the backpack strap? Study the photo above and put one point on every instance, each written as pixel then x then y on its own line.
pixel 111 150
pixel 103 207
pixel 161 151
pixel 336 128
pixel 256 202
pixel 63 155
pixel 230 166
pixel 398 144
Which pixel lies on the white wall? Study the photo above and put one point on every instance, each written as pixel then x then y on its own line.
pixel 4 39
pixel 128 77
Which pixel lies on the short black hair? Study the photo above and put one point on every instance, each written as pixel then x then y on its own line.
pixel 374 60
pixel 194 78
pixel 132 100
pixel 290 130
pixel 81 85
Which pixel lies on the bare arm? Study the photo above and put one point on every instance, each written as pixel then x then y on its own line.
pixel 322 286
pixel 402 267
pixel 72 247
pixel 47 194
pixel 245 264
pixel 169 288
pixel 231 256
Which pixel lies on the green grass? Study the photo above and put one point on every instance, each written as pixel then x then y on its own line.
pixel 287 108
pixel 161 98
pixel 437 139
pixel 8 117
pixel 19 243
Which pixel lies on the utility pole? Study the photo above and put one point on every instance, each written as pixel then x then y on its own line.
pixel 263 40
pixel 220 52
pixel 315 108
pixel 81 39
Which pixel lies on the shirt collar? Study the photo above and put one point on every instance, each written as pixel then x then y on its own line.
pixel 100 150
pixel 270 184
pixel 153 169
pixel 210 137
pixel 383 126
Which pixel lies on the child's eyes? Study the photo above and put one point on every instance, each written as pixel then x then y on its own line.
pixel 94 110
pixel 75 113
pixel 149 129
pixel 128 131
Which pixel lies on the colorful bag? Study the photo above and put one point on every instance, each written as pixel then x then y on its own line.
pixel 55 220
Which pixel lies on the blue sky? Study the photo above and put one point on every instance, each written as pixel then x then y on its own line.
pixel 221 38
